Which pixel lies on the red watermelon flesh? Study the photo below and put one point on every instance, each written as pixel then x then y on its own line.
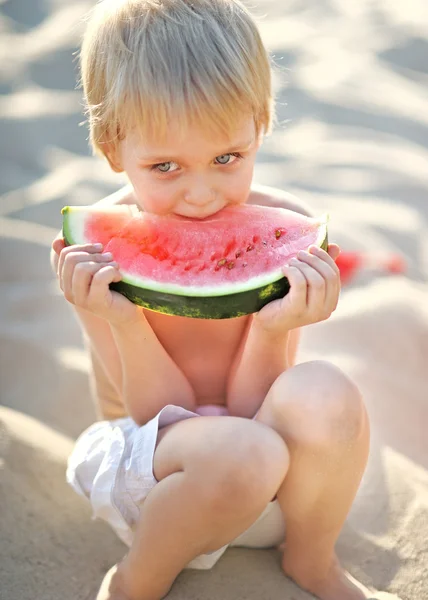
pixel 239 246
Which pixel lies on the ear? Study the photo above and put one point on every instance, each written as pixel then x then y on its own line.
pixel 112 153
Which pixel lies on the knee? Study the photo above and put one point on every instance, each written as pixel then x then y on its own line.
pixel 244 469
pixel 317 402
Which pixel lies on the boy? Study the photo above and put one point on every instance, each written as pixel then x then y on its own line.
pixel 211 435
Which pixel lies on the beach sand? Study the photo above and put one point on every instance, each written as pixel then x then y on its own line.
pixel 352 139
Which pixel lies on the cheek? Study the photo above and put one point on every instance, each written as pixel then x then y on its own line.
pixel 151 196
pixel 158 201
pixel 238 190
pixel 154 198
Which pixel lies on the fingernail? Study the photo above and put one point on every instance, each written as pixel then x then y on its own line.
pixel 98 246
pixel 107 255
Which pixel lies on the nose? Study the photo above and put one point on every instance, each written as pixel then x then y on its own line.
pixel 199 192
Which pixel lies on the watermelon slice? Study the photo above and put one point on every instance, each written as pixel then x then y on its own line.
pixel 227 265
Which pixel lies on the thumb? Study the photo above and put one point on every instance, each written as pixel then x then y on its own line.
pixel 333 251
pixel 57 245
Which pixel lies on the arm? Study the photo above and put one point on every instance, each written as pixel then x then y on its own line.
pixel 109 401
pixel 127 362
pixel 262 357
pixel 138 367
pixel 132 371
pixel 106 375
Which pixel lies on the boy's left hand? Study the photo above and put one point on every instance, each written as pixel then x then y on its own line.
pixel 314 292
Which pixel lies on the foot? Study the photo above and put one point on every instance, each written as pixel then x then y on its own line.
pixel 117 585
pixel 337 584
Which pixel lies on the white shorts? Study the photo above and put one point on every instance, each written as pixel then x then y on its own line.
pixel 112 465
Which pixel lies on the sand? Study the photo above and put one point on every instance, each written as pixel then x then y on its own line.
pixel 352 139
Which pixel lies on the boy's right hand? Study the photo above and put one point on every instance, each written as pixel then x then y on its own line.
pixel 84 274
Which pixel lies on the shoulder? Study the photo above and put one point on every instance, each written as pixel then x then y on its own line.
pixel 269 196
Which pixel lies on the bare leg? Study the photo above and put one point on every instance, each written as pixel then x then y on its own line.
pixel 216 475
pixel 320 415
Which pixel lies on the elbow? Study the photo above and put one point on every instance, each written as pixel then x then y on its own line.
pixel 139 416
pixel 143 410
pixel 137 408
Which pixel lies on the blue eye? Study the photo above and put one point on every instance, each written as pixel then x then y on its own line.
pixel 165 167
pixel 227 159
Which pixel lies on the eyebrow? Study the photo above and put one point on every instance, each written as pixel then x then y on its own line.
pixel 243 147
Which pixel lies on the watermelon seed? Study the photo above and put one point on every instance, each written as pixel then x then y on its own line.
pixel 230 264
pixel 222 262
pixel 244 264
pixel 238 254
pixel 264 243
pixel 279 233
pixel 250 247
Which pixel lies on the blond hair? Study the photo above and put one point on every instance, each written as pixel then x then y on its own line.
pixel 147 62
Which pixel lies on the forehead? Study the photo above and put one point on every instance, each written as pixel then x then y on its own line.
pixel 194 139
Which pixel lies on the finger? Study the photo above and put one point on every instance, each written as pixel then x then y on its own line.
pixel 82 278
pixel 73 258
pixel 316 284
pixel 325 266
pixel 330 271
pixel 74 279
pixel 88 248
pixel 99 293
pixel 297 295
pixel 326 257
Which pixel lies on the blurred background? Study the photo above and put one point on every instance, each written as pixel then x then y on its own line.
pixel 351 139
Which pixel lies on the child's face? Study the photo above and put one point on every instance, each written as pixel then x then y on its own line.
pixel 193 174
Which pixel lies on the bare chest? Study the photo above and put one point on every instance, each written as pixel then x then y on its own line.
pixel 203 349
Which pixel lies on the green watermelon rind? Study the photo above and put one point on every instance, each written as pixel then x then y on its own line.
pixel 209 307
pixel 200 303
